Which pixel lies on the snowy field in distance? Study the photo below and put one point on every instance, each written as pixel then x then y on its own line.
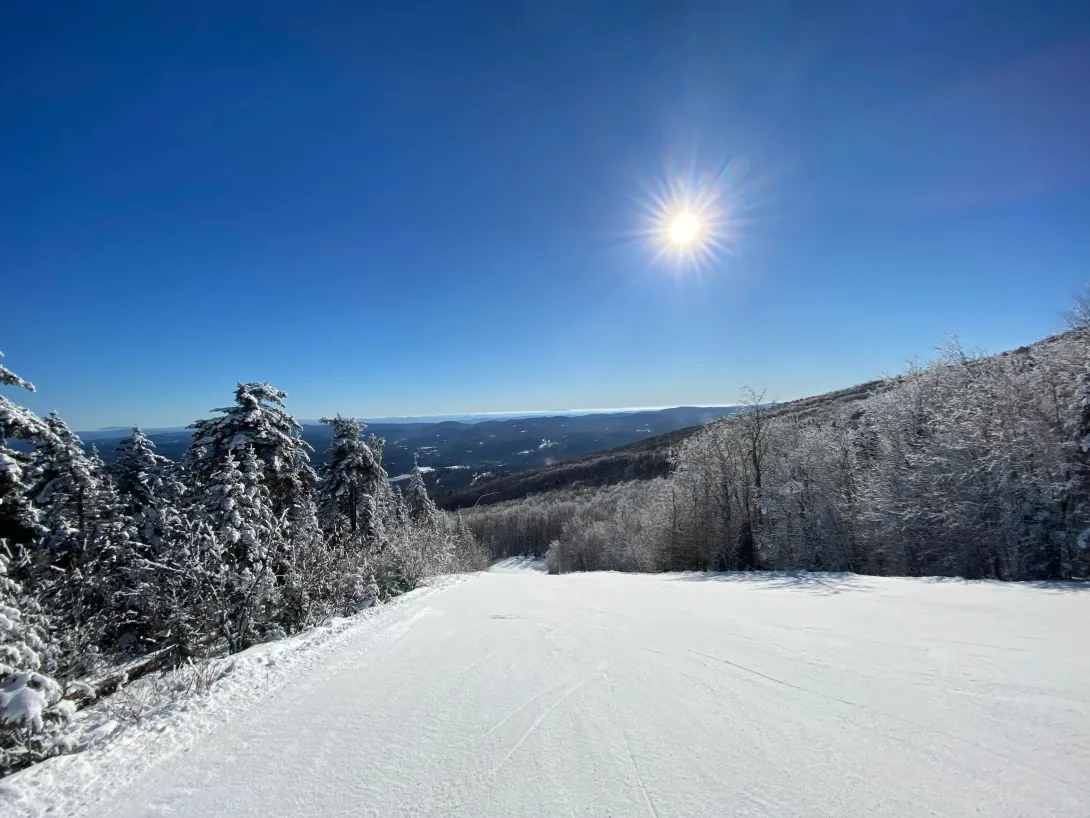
pixel 518 693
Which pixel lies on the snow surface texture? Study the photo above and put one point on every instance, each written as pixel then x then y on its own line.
pixel 518 693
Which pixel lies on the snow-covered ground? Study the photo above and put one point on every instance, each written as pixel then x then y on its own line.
pixel 518 693
pixel 517 565
pixel 423 470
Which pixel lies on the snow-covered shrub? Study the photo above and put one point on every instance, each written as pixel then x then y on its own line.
pixel 554 557
pixel 155 692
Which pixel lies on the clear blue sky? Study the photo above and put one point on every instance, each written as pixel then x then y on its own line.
pixel 409 208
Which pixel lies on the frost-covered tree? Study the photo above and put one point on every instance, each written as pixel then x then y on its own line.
pixel 1077 486
pixel 33 712
pixel 352 480
pixel 390 509
pixel 122 573
pixel 64 485
pixel 258 422
pixel 419 504
pixel 83 569
pixel 150 542
pixel 306 577
pixel 239 512
pixel 469 555
pixel 1078 317
pixel 19 519
pixel 9 378
pixel 71 568
pixel 188 615
pixel 149 488
pixel 419 541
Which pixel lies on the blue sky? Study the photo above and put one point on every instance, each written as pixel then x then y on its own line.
pixel 414 208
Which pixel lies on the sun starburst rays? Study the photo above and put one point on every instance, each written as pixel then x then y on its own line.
pixel 690 223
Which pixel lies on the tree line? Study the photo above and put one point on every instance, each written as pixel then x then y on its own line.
pixel 148 564
pixel 967 466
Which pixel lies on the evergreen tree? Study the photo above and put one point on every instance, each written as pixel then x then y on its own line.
pixel 188 614
pixel 239 513
pixel 9 378
pixel 394 511
pixel 347 500
pixel 307 571
pixel 419 504
pixel 19 519
pixel 64 485
pixel 258 422
pixel 85 569
pixel 33 713
pixel 65 568
pixel 125 578
pixel 149 489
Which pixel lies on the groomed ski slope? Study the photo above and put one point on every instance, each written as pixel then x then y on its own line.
pixel 517 693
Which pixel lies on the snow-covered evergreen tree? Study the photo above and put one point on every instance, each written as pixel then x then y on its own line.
pixel 239 512
pixel 149 541
pixel 19 519
pixel 33 712
pixel 352 480
pixel 64 484
pixel 257 422
pixel 149 488
pixel 125 574
pixel 83 569
pixel 9 378
pixel 419 503
pixel 67 569
pixel 188 613
pixel 393 509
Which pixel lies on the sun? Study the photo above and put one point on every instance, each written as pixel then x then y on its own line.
pixel 684 228
pixel 692 220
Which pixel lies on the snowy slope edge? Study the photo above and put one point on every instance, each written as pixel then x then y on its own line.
pixel 59 786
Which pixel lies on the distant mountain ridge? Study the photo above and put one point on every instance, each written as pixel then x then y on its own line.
pixel 461 453
pixel 481 417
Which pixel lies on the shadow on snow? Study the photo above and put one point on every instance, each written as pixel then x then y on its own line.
pixel 826 584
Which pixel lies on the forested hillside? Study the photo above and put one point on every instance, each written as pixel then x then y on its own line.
pixel 636 461
pixel 643 460
pixel 109 572
pixel 969 465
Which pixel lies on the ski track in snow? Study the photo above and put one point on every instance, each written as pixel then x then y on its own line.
pixel 517 693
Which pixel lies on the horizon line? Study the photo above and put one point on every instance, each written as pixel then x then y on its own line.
pixel 514 413
pixel 545 412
